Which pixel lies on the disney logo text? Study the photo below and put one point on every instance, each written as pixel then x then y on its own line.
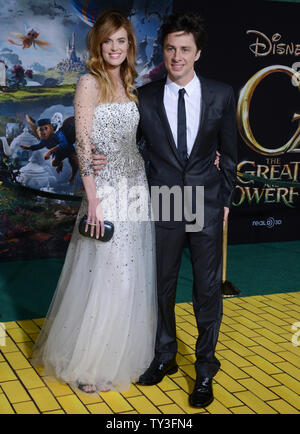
pixel 263 46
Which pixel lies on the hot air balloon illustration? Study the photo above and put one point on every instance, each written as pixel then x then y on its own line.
pixel 88 10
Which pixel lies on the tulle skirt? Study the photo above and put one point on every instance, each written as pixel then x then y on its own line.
pixel 101 325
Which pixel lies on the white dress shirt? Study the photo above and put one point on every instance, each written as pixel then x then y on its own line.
pixel 192 99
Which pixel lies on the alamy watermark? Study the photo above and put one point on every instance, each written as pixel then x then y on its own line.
pixel 123 203
pixel 2 335
pixel 296 335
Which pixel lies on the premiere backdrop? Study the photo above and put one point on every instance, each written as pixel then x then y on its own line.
pixel 42 55
pixel 254 46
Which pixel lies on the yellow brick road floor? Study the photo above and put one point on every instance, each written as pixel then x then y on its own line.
pixel 260 370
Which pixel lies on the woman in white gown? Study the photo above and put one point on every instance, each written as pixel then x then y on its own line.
pixel 99 332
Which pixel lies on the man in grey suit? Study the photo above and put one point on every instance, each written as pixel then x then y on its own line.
pixel 184 120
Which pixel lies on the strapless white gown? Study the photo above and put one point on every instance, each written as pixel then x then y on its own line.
pixel 101 325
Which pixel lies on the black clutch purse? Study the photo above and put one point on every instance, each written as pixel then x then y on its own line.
pixel 108 230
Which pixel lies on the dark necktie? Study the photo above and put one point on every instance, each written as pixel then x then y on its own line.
pixel 181 127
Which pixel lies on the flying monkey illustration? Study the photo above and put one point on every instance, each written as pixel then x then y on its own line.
pixel 29 38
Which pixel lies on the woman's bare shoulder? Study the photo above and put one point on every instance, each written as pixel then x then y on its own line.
pixel 88 80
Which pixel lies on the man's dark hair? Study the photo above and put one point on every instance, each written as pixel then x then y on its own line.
pixel 189 23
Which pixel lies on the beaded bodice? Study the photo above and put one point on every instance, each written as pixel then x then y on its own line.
pixel 114 135
pixel 111 129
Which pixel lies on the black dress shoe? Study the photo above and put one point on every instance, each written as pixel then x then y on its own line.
pixel 156 372
pixel 202 395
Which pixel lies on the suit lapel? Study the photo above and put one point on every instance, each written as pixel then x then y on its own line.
pixel 206 100
pixel 165 123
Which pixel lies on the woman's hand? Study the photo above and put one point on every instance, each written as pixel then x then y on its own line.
pixel 95 219
pixel 217 160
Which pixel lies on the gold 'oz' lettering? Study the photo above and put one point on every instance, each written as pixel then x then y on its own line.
pixel 243 114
